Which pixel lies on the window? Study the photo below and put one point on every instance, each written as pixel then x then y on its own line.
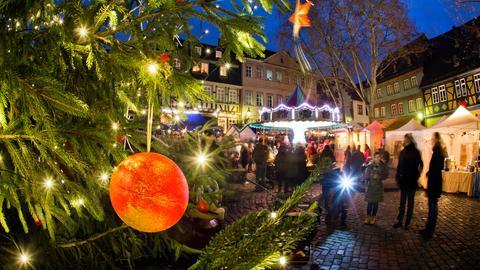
pixel 435 95
pixel 279 99
pixel 414 81
pixel 223 71
pixel 379 92
pixel 259 72
pixel 196 68
pixel 259 99
pixel 377 112
pixel 396 86
pixel 208 90
pixel 389 90
pixel 204 68
pixel 176 63
pixel 457 89
pixel 248 71
pixel 279 76
pixel 248 97
pixel 400 108
pixel 198 50
pixel 232 96
pixel 359 109
pixel 406 84
pixel 411 105
pixel 419 103
pixel 268 75
pixel 220 95
pixel 442 93
pixel 218 54
pixel 476 80
pixel 463 86
pixel 383 111
pixel 393 109
pixel 270 100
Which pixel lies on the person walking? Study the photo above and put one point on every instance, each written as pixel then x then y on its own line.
pixel 410 166
pixel 434 184
pixel 367 153
pixel 356 164
pixel 299 165
pixel 260 157
pixel 281 168
pixel 347 159
pixel 375 173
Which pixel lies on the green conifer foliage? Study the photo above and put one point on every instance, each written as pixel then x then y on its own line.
pixel 70 73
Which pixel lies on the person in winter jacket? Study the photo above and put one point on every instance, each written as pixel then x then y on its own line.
pixel 297 172
pixel 434 184
pixel 375 173
pixel 260 156
pixel 410 166
pixel 281 168
pixel 356 164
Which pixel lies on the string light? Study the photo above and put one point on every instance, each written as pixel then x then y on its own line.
pixel 152 68
pixel 273 215
pixel 82 31
pixel 115 126
pixel 181 104
pixel 104 177
pixel 48 183
pixel 208 51
pixel 217 6
pixel 227 65
pixel 201 159
pixel 60 21
pixel 144 112
pixel 282 261
pixel 24 258
pixel 177 118
pixel 207 31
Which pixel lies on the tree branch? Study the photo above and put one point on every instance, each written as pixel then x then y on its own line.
pixel 93 238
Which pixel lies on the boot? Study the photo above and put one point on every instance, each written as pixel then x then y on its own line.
pixel 367 220
pixel 372 220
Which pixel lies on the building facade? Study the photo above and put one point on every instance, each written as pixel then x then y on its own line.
pixel 452 72
pixel 398 94
pixel 222 82
pixel 267 82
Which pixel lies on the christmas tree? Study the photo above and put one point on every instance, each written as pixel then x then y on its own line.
pixel 74 73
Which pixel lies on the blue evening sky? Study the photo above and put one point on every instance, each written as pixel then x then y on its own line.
pixel 432 17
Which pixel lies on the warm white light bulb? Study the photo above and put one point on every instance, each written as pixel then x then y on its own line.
pixel 104 177
pixel 24 258
pixel 81 201
pixel 144 112
pixel 207 50
pixel 282 261
pixel 82 31
pixel 48 183
pixel 115 126
pixel 152 68
pixel 273 215
pixel 207 31
pixel 201 159
pixel 177 118
pixel 227 65
pixel 60 21
pixel 181 104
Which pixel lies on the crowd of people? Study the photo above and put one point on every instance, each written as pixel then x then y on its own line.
pixel 286 166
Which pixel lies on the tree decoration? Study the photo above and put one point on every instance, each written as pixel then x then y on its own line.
pixel 164 57
pixel 300 19
pixel 149 192
pixel 202 206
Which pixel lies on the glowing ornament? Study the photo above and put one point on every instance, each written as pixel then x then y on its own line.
pixel 149 192
pixel 164 57
pixel 202 206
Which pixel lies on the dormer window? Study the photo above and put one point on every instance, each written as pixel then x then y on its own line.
pixel 218 54
pixel 198 49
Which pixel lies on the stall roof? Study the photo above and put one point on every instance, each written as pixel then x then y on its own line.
pixel 400 123
pixel 380 125
pixel 411 125
pixel 460 120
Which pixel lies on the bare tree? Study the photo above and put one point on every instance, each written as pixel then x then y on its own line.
pixel 352 42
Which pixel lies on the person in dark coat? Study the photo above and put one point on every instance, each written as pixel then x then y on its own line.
pixel 328 153
pixel 298 165
pixel 260 156
pixel 245 156
pixel 375 173
pixel 281 168
pixel 410 166
pixel 434 184
pixel 348 157
pixel 356 164
pixel 385 156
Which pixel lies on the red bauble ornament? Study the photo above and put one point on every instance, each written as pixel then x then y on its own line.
pixel 38 221
pixel 202 206
pixel 149 192
pixel 164 57
pixel 120 138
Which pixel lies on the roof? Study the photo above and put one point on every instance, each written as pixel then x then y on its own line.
pixel 460 120
pixel 407 58
pixel 296 98
pixel 397 124
pixel 453 53
pixel 411 125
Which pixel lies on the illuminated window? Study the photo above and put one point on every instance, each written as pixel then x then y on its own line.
pixel 435 95
pixel 442 93
pixel 218 54
pixel 220 95
pixel 411 105
pixel 268 75
pixel 259 72
pixel 393 109
pixel 389 90
pixel 463 86
pixel 379 92
pixel 383 112
pixel 270 100
pixel 476 80
pixel 419 103
pixel 204 68
pixel 458 91
pixel 414 81
pixel 232 96
pixel 400 108
pixel 248 71
pixel 279 76
pixel 259 99
pixel 406 84
pixel 377 113
pixel 396 87
pixel 196 68
pixel 223 71
pixel 198 50
pixel 248 97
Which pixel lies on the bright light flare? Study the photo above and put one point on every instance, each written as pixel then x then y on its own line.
pixel 273 215
pixel 201 159
pixel 48 184
pixel 152 68
pixel 228 65
pixel 181 104
pixel 346 183
pixel 82 31
pixel 115 126
pixel 177 118
pixel 104 177
pixel 282 261
pixel 24 258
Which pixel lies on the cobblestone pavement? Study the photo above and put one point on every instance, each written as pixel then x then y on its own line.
pixel 455 245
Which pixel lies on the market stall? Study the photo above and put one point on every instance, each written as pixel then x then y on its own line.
pixel 460 133
pixel 394 139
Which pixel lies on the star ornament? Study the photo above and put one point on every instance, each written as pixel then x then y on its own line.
pixel 300 17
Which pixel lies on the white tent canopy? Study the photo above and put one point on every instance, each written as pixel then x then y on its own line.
pixel 244 134
pixel 460 121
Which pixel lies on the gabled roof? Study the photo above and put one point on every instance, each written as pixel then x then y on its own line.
pixel 453 53
pixel 296 98
pixel 407 58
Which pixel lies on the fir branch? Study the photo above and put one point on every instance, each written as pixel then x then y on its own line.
pixel 93 238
